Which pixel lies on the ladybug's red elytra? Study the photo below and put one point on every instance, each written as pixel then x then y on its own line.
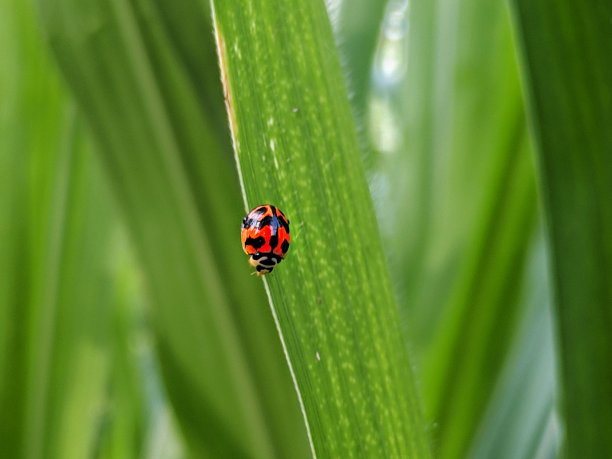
pixel 265 237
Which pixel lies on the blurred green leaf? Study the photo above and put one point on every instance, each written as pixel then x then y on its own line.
pixel 455 193
pixel 357 27
pixel 521 420
pixel 74 329
pixel 568 74
pixel 133 68
pixel 54 301
pixel 296 146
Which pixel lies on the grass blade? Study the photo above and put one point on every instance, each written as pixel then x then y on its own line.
pixel 137 80
pixel 55 224
pixel 296 147
pixel 456 198
pixel 357 29
pixel 567 48
pixel 521 420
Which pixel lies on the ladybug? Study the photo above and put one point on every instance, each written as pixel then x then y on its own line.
pixel 265 237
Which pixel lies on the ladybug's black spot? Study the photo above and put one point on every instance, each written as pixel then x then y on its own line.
pixel 285 246
pixel 274 240
pixel 267 221
pixel 255 242
pixel 284 222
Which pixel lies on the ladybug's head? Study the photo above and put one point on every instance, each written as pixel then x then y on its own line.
pixel 264 263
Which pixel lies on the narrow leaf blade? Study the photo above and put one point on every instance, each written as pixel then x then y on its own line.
pixel 296 148
pixel 567 48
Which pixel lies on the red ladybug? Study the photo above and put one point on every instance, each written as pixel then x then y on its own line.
pixel 265 237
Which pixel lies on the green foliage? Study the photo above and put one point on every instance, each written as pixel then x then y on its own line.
pixel 217 349
pixel 296 146
pixel 454 173
pixel 54 296
pixel 469 213
pixel 568 71
pixel 126 304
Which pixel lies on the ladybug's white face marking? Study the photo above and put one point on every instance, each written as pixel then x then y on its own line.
pixel 254 263
pixel 264 263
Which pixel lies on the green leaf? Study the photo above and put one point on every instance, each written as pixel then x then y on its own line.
pixel 145 90
pixel 456 199
pixel 357 28
pixel 521 420
pixel 567 48
pixel 296 147
pixel 74 330
pixel 54 224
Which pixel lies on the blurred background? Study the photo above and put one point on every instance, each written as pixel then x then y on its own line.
pixel 100 333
